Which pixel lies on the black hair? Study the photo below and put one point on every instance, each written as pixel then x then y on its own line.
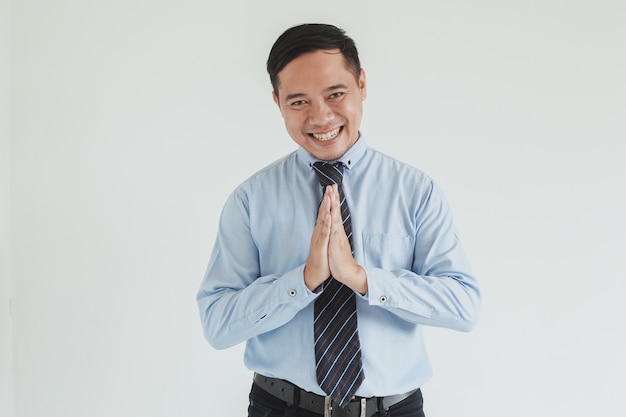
pixel 310 37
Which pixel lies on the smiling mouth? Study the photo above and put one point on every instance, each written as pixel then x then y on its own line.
pixel 326 136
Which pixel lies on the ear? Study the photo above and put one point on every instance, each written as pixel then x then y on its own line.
pixel 363 85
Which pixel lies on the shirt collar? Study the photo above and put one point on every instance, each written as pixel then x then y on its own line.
pixel 349 159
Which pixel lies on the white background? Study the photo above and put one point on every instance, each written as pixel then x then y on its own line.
pixel 117 119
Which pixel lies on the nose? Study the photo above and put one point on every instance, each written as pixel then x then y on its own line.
pixel 320 113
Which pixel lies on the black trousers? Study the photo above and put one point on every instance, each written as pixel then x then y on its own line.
pixel 264 404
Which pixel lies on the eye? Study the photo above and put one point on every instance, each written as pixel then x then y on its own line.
pixel 338 94
pixel 297 103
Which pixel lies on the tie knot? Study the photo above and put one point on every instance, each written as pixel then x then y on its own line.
pixel 329 173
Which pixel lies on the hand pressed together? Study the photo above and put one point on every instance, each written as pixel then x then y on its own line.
pixel 330 252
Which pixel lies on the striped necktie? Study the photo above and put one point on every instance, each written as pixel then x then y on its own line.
pixel 337 348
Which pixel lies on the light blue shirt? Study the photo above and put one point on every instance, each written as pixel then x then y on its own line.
pixel 403 236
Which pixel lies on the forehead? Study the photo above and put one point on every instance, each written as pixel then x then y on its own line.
pixel 314 71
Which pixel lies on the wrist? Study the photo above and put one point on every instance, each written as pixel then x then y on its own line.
pixel 361 281
pixel 311 280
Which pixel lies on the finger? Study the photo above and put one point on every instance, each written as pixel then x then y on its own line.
pixel 325 207
pixel 336 212
pixel 316 269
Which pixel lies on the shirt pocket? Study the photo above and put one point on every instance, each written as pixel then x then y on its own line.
pixel 387 251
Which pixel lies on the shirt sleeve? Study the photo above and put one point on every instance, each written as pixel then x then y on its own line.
pixel 236 303
pixel 441 289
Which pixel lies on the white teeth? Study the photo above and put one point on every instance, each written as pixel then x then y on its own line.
pixel 326 136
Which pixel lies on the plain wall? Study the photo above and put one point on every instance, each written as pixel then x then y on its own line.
pixel 6 330
pixel 125 113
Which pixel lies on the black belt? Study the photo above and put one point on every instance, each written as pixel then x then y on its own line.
pixel 358 407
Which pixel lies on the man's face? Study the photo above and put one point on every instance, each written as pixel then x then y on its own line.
pixel 321 103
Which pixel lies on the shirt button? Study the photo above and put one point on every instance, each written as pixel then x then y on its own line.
pixel 383 299
pixel 293 293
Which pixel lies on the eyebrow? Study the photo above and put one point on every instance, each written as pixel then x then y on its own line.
pixel 326 90
pixel 292 96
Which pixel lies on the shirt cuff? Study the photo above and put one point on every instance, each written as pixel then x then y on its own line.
pixel 381 291
pixel 292 288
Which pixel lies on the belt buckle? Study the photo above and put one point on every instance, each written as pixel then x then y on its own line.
pixel 328 407
pixel 363 407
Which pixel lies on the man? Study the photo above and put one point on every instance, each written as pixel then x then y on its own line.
pixel 370 262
